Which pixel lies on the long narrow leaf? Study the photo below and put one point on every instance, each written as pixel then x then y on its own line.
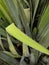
pixel 35 4
pixel 9 59
pixel 13 12
pixel 43 21
pixel 15 32
pixel 5 13
pixel 1 44
pixel 11 47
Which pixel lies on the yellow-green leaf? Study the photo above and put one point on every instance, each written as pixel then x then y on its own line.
pixel 15 32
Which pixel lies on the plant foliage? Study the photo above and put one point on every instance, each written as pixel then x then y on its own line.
pixel 32 18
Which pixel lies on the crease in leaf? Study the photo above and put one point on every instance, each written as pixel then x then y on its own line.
pixel 15 32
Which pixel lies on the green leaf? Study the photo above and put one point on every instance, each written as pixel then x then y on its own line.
pixel 13 12
pixel 24 3
pixel 22 62
pixel 15 32
pixel 6 14
pixel 43 21
pixel 22 16
pixel 25 50
pixel 27 13
pixel 44 37
pixel 9 53
pixel 35 5
pixel 2 32
pixel 44 32
pixel 1 44
pixel 3 21
pixel 24 22
pixel 11 47
pixel 10 60
pixel 32 58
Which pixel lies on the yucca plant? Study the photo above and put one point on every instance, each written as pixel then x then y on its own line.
pixel 24 32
